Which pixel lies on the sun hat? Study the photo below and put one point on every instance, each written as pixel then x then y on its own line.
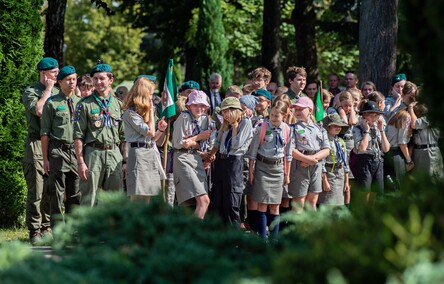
pixel 197 97
pixel 230 102
pixel 304 102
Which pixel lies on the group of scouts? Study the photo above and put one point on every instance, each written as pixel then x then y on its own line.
pixel 250 149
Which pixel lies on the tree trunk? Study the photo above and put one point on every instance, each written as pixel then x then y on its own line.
pixel 378 29
pixel 55 29
pixel 304 20
pixel 271 38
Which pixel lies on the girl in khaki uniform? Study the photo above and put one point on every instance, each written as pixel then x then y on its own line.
pixel 191 130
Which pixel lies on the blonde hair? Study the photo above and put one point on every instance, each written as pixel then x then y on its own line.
pixel 284 98
pixel 235 113
pixel 139 97
pixel 400 119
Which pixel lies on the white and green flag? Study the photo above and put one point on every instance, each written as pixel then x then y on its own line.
pixel 170 92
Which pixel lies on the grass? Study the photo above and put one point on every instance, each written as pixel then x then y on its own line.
pixel 20 234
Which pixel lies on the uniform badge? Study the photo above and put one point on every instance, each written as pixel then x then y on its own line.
pixel 98 123
pixel 301 131
pixel 268 136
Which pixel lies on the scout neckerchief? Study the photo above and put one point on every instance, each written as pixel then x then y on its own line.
pixel 227 142
pixel 278 139
pixel 104 105
pixel 71 108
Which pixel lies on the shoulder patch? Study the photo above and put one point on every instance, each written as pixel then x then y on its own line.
pixel 61 108
pixel 95 111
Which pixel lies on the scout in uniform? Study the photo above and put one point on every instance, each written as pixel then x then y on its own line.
pixel 98 133
pixel 393 100
pixel 144 170
pixel 191 131
pixel 370 144
pixel 426 155
pixel 37 201
pixel 231 144
pixel 309 149
pixel 297 78
pixel 398 132
pixel 269 162
pixel 57 136
pixel 335 166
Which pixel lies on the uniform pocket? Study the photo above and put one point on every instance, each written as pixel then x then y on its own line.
pixel 61 118
pixel 96 121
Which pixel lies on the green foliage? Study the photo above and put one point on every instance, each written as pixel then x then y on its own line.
pixel 91 34
pixel 213 44
pixel 129 242
pixel 20 50
pixel 395 236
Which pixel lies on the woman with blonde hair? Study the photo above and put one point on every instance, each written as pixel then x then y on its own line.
pixel 144 171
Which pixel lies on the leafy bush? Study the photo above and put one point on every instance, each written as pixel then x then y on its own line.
pixel 20 50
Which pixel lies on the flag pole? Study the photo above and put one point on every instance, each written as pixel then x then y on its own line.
pixel 165 159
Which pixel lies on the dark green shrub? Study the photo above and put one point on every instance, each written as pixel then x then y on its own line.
pixel 124 242
pixel 20 50
pixel 381 239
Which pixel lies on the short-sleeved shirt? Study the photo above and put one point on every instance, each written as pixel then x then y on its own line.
pixel 309 137
pixel 424 134
pixel 274 146
pixel 397 136
pixel 58 118
pixel 239 143
pixel 334 156
pixel 375 143
pixel 136 129
pixel 30 98
pixel 91 122
pixel 187 126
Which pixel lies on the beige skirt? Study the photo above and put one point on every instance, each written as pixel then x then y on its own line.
pixel 143 172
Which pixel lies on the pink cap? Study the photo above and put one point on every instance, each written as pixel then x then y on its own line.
pixel 304 102
pixel 197 97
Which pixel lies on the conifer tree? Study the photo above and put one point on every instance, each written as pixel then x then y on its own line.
pixel 20 50
pixel 212 44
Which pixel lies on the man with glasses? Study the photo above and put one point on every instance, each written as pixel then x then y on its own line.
pixel 37 201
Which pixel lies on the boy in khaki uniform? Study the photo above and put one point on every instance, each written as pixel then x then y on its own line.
pixel 98 133
pixel 57 136
pixel 37 201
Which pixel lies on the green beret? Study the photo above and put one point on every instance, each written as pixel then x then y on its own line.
pixel 262 93
pixel 100 68
pixel 398 77
pixel 65 71
pixel 47 63
pixel 190 85
pixel 149 77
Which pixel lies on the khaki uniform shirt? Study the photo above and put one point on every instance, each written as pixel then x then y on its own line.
pixel 57 119
pixel 90 123
pixel 30 98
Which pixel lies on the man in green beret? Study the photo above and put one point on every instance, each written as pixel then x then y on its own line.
pixel 37 201
pixel 98 135
pixel 57 136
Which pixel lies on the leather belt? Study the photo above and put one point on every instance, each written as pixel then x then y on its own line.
pixel 63 145
pixel 425 146
pixel 183 150
pixel 269 161
pixel 148 145
pixel 101 146
pixel 308 152
pixel 336 166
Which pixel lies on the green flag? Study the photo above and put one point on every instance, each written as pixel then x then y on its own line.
pixel 319 108
pixel 170 92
